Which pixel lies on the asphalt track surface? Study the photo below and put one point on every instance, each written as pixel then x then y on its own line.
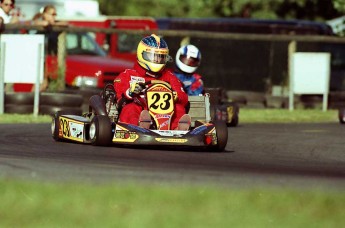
pixel 277 155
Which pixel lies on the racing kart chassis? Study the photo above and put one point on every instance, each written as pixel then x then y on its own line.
pixel 100 127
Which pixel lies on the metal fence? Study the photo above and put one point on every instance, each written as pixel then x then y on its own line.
pixel 253 62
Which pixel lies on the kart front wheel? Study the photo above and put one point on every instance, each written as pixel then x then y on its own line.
pixel 222 135
pixel 100 131
pixel 55 124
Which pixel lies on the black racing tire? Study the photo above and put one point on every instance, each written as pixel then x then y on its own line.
pixel 19 98
pixel 50 110
pixel 222 135
pixel 341 115
pixel 100 131
pixel 61 99
pixel 86 93
pixel 19 109
pixel 55 125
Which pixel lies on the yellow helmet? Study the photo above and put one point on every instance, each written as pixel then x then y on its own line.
pixel 153 53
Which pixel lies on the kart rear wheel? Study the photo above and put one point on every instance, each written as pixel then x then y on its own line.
pixel 100 131
pixel 222 135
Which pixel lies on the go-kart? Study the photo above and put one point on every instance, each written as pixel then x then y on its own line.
pixel 100 126
pixel 341 115
pixel 223 110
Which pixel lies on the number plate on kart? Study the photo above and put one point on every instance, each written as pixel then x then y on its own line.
pixel 71 129
pixel 160 103
pixel 160 99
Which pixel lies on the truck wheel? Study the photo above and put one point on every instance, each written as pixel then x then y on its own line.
pixel 222 135
pixel 341 115
pixel 100 131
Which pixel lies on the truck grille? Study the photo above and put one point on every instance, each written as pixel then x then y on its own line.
pixel 108 77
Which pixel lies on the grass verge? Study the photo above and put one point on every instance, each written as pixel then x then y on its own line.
pixel 27 118
pixel 25 204
pixel 286 116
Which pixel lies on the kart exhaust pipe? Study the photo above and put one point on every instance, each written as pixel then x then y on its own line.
pixel 96 103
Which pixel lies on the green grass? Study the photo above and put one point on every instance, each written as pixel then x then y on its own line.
pixel 20 118
pixel 124 204
pixel 286 116
pixel 25 204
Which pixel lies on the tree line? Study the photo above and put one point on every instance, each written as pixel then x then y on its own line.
pixel 314 10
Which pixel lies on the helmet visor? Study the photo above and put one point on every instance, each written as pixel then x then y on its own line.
pixel 155 58
pixel 189 61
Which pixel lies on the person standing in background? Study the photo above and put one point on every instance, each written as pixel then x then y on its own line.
pixel 47 17
pixel 6 6
pixel 5 12
pixel 1 24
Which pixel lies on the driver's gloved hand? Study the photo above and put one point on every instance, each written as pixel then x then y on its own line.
pixel 136 88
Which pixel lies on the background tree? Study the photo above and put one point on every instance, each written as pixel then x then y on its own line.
pixel 318 10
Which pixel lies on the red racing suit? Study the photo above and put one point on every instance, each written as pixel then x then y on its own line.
pixel 131 110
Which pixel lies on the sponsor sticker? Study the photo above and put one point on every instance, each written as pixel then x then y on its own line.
pixel 125 136
pixel 135 79
pixel 71 129
pixel 171 140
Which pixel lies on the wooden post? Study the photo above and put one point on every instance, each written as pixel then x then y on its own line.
pixel 61 56
pixel 291 50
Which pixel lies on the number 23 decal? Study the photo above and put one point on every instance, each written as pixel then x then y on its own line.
pixel 160 102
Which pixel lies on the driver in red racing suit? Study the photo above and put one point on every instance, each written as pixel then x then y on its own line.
pixel 152 56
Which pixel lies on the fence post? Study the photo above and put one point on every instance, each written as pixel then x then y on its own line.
pixel 2 78
pixel 61 61
pixel 291 50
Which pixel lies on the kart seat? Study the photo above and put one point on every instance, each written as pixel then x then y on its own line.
pixel 199 109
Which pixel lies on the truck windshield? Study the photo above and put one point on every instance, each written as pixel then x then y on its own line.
pixel 128 42
pixel 82 44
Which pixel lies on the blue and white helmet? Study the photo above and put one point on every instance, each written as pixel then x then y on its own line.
pixel 188 58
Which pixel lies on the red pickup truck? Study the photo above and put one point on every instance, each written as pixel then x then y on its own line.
pixel 87 64
pixel 118 45
pixel 94 59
